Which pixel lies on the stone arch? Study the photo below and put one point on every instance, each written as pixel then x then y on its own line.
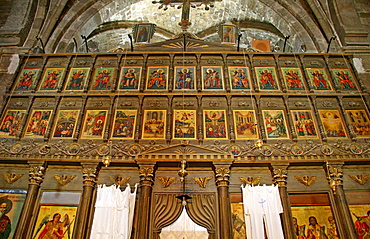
pixel 84 18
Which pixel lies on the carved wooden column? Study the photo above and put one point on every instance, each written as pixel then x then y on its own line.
pixel 36 177
pixel 222 175
pixel 280 175
pixel 90 173
pixel 143 209
pixel 335 177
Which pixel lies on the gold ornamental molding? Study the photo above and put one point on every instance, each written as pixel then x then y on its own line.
pixel 119 180
pixel 250 180
pixel 12 177
pixel 360 179
pixel 202 182
pixel 306 180
pixel 166 181
pixel 64 179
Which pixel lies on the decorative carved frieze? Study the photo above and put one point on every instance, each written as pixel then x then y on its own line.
pixel 12 177
pixel 158 62
pixel 300 104
pixel 106 62
pixel 119 180
pixel 238 62
pixel 131 62
pixel 250 180
pixel 98 104
pixel 17 104
pixel 212 61
pixel 155 104
pixel 360 179
pixel 271 104
pixel 70 103
pixel 339 63
pixel 202 182
pixel 327 104
pixel 354 104
pixel 64 179
pixel 306 180
pixel 314 63
pixel 214 104
pixel 166 181
pixel 81 62
pixel 243 104
pixel 186 61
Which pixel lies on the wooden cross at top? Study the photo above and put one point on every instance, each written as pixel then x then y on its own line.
pixel 185 5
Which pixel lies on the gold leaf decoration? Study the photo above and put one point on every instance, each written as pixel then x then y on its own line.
pixel 64 179
pixel 360 179
pixel 250 180
pixel 12 177
pixel 166 181
pixel 202 182
pixel 306 180
pixel 119 181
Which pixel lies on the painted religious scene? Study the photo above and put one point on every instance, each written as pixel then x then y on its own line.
pixel 56 215
pixel 27 79
pixel 238 221
pixel 52 79
pixel 11 203
pixel 344 79
pixel 229 34
pixel 304 124
pixel 124 124
pixel 11 123
pixel 318 79
pixel 66 123
pixel 212 78
pixel 275 124
pixel 185 78
pixel 215 124
pixel 38 123
pixel 245 124
pixel 184 124
pixel 103 78
pixel 360 123
pixel 130 78
pixel 313 217
pixel 266 78
pixel 157 78
pixel 361 219
pixel 154 124
pixel 77 78
pixel 94 124
pixel 239 78
pixel 293 78
pixel 332 122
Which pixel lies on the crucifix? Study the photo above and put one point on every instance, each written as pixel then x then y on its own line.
pixel 185 5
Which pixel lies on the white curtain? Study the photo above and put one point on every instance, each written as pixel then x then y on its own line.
pixel 184 228
pixel 262 208
pixel 114 213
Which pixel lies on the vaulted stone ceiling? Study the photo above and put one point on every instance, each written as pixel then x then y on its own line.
pixel 107 23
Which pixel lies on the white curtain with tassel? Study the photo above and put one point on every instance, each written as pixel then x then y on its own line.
pixel 114 213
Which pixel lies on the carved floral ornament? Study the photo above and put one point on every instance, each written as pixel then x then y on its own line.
pixel 64 179
pixel 360 179
pixel 202 182
pixel 119 180
pixel 280 176
pixel 306 180
pixel 36 174
pixel 12 177
pixel 250 180
pixel 89 174
pixel 146 173
pixel 166 181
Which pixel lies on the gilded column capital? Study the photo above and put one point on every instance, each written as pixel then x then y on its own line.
pixel 222 176
pixel 90 174
pixel 334 174
pixel 37 173
pixel 146 174
pixel 279 174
